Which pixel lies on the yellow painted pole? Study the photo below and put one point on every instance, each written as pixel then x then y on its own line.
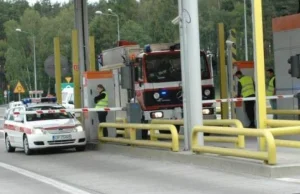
pixel 76 74
pixel 232 90
pixel 92 53
pixel 261 107
pixel 57 69
pixel 223 81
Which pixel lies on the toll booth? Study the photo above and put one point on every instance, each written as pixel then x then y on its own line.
pixel 247 68
pixel 90 82
pixel 286 33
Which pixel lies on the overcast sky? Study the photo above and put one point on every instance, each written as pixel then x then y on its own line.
pixel 31 2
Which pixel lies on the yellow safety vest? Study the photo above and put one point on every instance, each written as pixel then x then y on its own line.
pixel 247 86
pixel 271 89
pixel 103 102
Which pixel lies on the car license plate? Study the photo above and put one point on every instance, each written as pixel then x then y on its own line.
pixel 62 137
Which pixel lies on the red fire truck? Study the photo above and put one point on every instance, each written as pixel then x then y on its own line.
pixel 156 79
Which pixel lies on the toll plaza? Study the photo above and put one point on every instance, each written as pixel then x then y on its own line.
pixel 177 119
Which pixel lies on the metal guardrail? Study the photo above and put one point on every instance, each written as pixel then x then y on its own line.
pixel 268 156
pixel 283 112
pixel 239 141
pixel 174 144
pixel 282 128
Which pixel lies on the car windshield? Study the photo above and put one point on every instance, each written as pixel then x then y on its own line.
pixel 42 117
pixel 167 67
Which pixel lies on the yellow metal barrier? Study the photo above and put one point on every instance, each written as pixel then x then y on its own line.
pixel 174 145
pixel 124 132
pixel 268 157
pixel 238 141
pixel 283 112
pixel 282 123
pixel 282 128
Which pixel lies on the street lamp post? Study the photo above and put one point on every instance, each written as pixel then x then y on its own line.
pixel 112 14
pixel 34 58
pixel 246 32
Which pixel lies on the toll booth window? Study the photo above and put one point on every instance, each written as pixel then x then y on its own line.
pixel 50 116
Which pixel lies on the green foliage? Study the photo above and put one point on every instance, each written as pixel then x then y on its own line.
pixel 148 21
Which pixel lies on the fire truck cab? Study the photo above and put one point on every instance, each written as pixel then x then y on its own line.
pixel 158 83
pixel 155 79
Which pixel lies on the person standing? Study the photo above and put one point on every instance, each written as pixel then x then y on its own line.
pixel 246 88
pixel 271 89
pixel 101 101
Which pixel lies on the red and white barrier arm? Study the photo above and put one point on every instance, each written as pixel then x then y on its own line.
pixel 108 109
pixel 247 99
pixel 78 110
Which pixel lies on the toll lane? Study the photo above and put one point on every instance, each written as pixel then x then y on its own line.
pixel 112 173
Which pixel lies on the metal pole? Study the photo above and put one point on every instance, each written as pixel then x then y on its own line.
pixel 223 72
pixel 259 66
pixel 76 73
pixel 34 66
pixel 184 79
pixel 194 94
pixel 118 21
pixel 246 31
pixel 92 53
pixel 57 69
pixel 230 76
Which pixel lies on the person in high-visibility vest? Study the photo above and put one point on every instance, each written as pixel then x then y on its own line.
pixel 271 89
pixel 101 101
pixel 246 88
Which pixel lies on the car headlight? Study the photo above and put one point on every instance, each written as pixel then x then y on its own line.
pixel 78 128
pixel 39 131
pixel 156 95
pixel 207 92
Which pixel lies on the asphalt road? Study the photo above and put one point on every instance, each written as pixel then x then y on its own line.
pixel 110 173
pixel 95 172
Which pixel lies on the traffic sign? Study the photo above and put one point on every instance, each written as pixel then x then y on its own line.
pixel 68 79
pixel 67 85
pixel 19 88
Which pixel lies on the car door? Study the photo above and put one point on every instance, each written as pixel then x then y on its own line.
pixel 19 125
pixel 9 127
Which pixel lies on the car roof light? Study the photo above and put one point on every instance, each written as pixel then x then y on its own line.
pixel 27 101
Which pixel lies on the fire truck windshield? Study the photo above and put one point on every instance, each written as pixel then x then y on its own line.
pixel 166 67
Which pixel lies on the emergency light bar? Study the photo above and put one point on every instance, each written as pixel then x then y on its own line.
pixel 39 100
pixel 79 110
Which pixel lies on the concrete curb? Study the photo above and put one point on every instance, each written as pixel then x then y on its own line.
pixel 219 163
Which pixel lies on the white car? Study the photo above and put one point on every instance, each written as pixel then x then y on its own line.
pixel 36 130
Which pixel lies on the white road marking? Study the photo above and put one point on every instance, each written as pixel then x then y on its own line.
pixel 291 180
pixel 40 178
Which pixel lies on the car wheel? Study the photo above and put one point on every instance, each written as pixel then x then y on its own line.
pixel 80 148
pixel 27 150
pixel 9 148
